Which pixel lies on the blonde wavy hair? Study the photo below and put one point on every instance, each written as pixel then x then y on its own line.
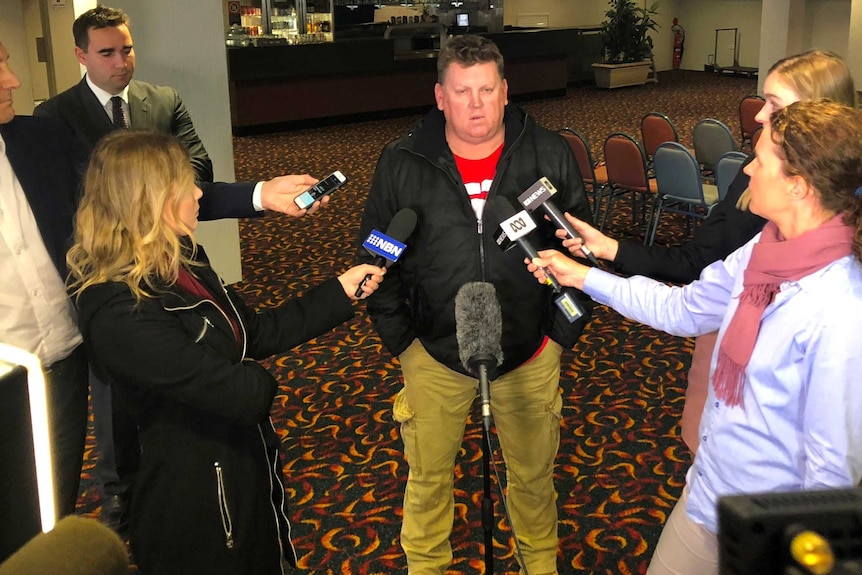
pixel 817 74
pixel 134 181
pixel 812 75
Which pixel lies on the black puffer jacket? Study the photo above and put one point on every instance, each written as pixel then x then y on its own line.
pixel 450 248
pixel 208 497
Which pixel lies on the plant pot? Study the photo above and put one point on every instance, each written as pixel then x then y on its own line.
pixel 619 75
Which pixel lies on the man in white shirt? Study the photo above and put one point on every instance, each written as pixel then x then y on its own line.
pixel 38 190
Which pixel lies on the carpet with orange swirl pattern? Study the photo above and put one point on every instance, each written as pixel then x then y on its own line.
pixel 621 464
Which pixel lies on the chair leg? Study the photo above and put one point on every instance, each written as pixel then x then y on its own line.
pixel 598 196
pixel 594 206
pixel 649 234
pixel 652 225
pixel 611 194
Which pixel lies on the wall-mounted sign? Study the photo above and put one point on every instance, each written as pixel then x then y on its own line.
pixel 233 12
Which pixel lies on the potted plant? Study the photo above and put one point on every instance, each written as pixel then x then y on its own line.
pixel 627 47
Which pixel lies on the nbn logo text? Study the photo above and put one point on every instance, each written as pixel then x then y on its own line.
pixel 382 245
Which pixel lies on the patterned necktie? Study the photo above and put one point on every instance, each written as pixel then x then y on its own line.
pixel 118 113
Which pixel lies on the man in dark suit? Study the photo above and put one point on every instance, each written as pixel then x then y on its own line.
pixel 107 98
pixel 103 45
pixel 38 196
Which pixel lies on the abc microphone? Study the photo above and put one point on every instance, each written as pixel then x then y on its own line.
pixel 478 329
pixel 388 247
pixel 539 194
pixel 515 227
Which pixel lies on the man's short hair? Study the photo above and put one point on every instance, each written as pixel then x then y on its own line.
pixel 98 17
pixel 467 50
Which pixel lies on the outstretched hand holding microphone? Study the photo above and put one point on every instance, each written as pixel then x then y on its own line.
pixel 602 246
pixel 568 272
pixel 540 195
pixel 515 227
pixel 387 247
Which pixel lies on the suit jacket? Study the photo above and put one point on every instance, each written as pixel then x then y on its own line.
pixel 47 164
pixel 151 107
pixel 157 108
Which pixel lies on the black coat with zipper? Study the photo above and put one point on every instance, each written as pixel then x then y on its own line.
pixel 449 247
pixel 209 496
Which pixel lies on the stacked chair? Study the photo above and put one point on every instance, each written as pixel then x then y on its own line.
pixel 681 188
pixel 595 176
pixel 656 129
pixel 712 139
pixel 749 106
pixel 628 173
pixel 726 169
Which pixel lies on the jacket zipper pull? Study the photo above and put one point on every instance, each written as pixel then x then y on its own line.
pixel 227 524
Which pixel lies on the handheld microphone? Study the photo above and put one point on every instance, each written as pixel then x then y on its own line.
pixel 515 227
pixel 388 247
pixel 75 546
pixel 478 329
pixel 539 194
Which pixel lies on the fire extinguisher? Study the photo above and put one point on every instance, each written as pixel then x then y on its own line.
pixel 678 43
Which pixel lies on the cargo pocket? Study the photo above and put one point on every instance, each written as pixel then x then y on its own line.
pixel 555 421
pixel 402 413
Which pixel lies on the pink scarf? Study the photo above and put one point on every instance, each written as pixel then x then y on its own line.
pixel 773 261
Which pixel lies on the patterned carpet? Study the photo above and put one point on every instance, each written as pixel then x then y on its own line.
pixel 621 463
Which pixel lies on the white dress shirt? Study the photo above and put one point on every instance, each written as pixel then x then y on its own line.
pixel 36 313
pixel 800 425
pixel 105 100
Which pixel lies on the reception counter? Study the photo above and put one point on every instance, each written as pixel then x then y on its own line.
pixel 274 86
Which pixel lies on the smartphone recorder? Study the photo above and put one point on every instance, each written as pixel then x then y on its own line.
pixel 322 188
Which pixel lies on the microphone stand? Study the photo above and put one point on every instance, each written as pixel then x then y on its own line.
pixel 480 365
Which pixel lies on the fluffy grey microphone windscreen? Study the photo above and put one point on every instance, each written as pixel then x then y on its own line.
pixel 478 324
pixel 76 546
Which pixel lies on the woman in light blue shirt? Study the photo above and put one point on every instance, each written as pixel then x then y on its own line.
pixel 784 410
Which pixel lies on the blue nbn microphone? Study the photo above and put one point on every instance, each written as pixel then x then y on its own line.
pixel 388 247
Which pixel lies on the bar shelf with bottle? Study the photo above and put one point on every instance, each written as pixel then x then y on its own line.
pixel 358 57
pixel 278 22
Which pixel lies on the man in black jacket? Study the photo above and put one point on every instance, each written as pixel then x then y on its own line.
pixel 103 45
pixel 471 148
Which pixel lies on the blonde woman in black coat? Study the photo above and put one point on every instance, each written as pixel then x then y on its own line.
pixel 181 350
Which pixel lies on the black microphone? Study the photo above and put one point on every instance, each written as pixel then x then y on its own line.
pixel 75 546
pixel 539 194
pixel 478 329
pixel 389 246
pixel 516 226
